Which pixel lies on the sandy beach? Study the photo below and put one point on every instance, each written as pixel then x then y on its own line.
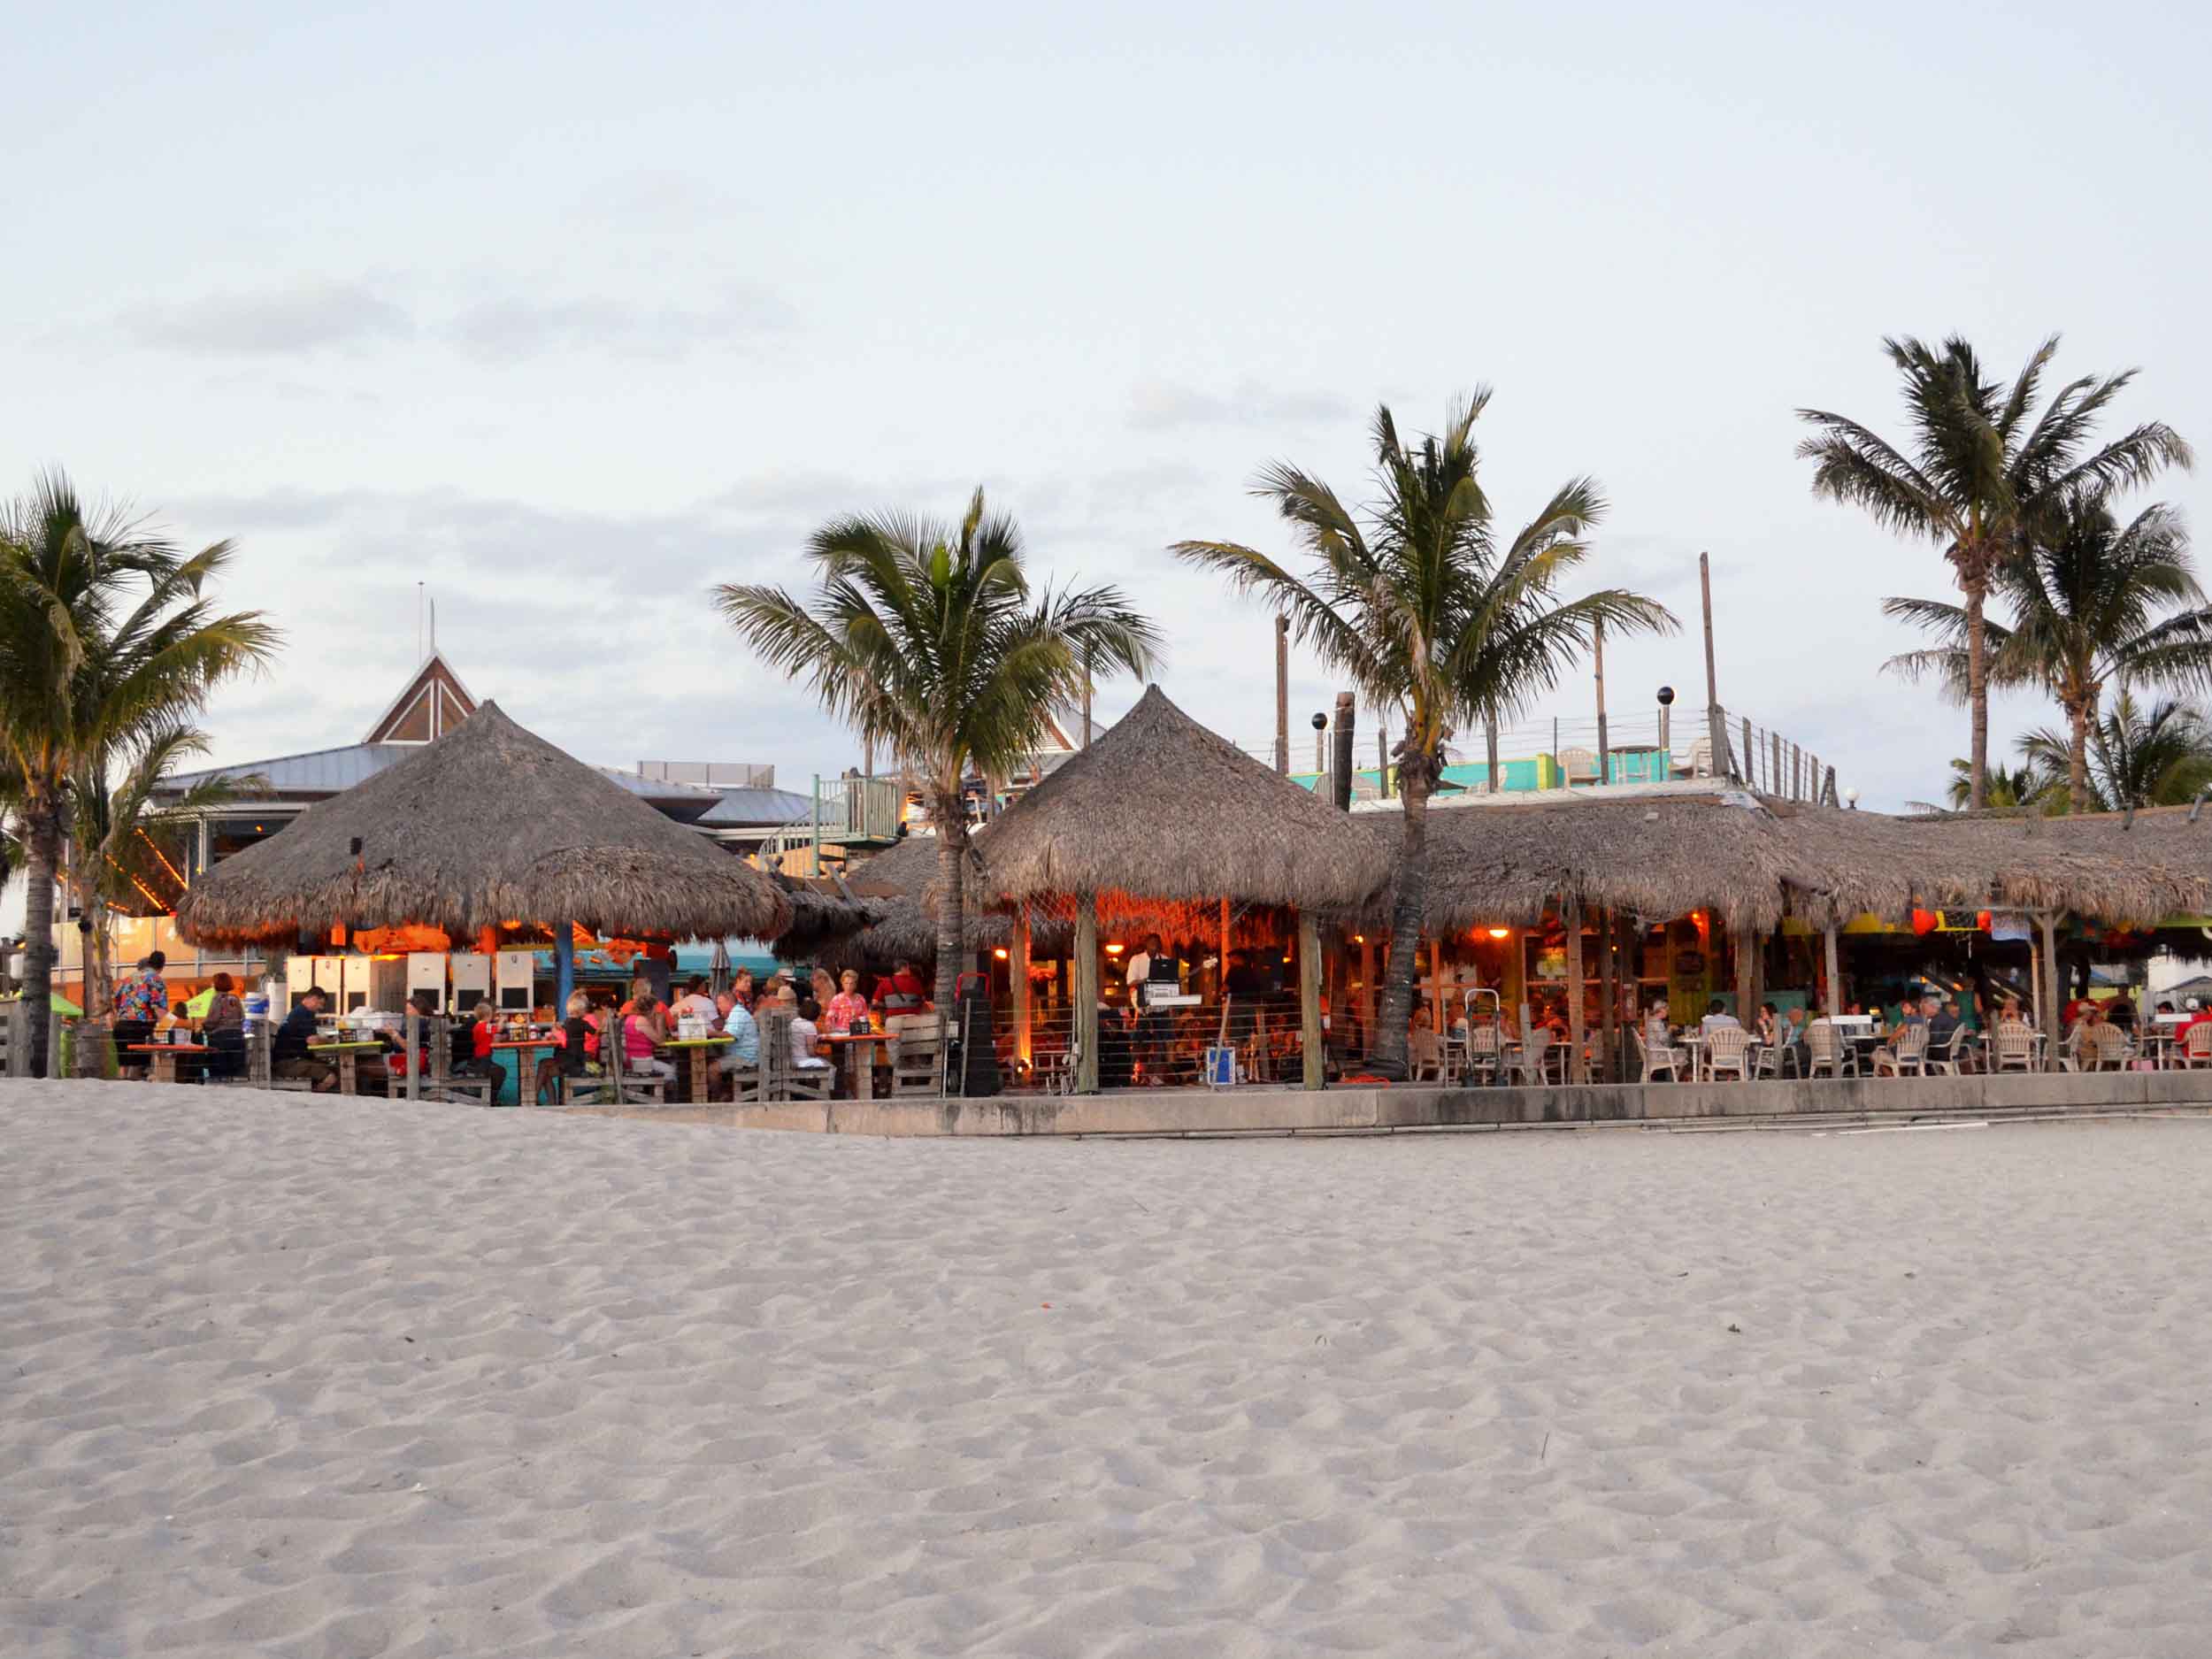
pixel 292 1377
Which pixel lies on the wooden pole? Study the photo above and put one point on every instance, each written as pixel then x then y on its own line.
pixel 1341 769
pixel 1086 994
pixel 1575 1072
pixel 1382 762
pixel 1367 989
pixel 1828 789
pixel 1086 698
pixel 1774 763
pixel 1490 756
pixel 1609 998
pixel 1309 1000
pixel 1717 721
pixel 1835 977
pixel 2049 990
pixel 1740 937
pixel 1018 971
pixel 1436 983
pixel 1282 694
pixel 1597 651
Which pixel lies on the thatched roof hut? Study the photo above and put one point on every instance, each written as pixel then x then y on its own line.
pixel 895 885
pixel 1751 859
pixel 1161 808
pixel 823 922
pixel 489 824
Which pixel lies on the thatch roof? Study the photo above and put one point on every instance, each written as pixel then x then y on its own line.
pixel 1160 808
pixel 1751 860
pixel 895 885
pixel 488 825
pixel 822 920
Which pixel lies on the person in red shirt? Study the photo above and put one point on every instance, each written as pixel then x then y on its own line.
pixel 903 992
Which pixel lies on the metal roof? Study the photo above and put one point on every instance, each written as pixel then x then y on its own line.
pixel 768 807
pixel 658 788
pixel 318 771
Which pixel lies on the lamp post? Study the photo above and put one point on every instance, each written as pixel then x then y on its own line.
pixel 1666 726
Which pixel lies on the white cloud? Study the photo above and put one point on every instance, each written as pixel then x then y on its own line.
pixel 274 322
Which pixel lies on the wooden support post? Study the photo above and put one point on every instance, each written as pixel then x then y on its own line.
pixel 1436 982
pixel 1774 763
pixel 1086 994
pixel 1221 969
pixel 1740 937
pixel 1608 999
pixel 1797 773
pixel 1368 1001
pixel 1018 971
pixel 1310 1001
pixel 413 1036
pixel 1835 976
pixel 1490 757
pixel 1751 754
pixel 1382 762
pixel 1572 916
pixel 2051 999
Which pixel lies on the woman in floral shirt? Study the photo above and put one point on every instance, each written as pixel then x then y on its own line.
pixel 145 994
pixel 848 1005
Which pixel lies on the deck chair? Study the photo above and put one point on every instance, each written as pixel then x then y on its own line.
pixel 259 1072
pixel 2111 1050
pixel 1728 1049
pixel 2196 1047
pixel 1485 1059
pixel 1652 1065
pixel 1531 1061
pixel 1826 1051
pixel 2014 1048
pixel 917 1053
pixel 780 1075
pixel 1910 1054
pixel 1424 1053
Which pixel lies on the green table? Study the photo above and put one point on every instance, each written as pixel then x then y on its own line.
pixel 348 1056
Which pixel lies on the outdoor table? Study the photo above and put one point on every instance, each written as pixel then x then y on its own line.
pixel 348 1056
pixel 699 1048
pixel 1694 1041
pixel 852 1052
pixel 164 1057
pixel 522 1046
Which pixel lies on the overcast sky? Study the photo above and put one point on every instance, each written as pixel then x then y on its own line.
pixel 571 311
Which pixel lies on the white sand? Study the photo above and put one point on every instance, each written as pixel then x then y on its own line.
pixel 302 1379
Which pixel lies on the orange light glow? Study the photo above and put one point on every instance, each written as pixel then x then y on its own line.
pixel 1113 950
pixel 999 952
pixel 1501 932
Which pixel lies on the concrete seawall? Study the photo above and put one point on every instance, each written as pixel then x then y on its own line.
pixel 1338 1111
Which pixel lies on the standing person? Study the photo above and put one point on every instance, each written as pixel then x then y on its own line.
pixel 287 1050
pixel 903 992
pixel 695 1003
pixel 849 1009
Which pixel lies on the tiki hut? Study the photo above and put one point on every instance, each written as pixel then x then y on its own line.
pixel 1160 816
pixel 823 923
pixel 489 826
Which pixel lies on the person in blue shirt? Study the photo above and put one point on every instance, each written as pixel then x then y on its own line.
pixel 738 1023
pixel 288 1049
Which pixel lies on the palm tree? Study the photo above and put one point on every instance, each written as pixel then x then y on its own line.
pixel 926 638
pixel 116 861
pixel 2023 786
pixel 2092 602
pixel 1414 600
pixel 2161 757
pixel 107 633
pixel 1986 473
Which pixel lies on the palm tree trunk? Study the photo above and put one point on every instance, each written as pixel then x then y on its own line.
pixel 99 998
pixel 43 845
pixel 1490 746
pixel 2078 761
pixel 952 920
pixel 1977 698
pixel 1387 1053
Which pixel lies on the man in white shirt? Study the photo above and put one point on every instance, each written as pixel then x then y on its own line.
pixel 696 1004
pixel 1139 967
pixel 1718 1018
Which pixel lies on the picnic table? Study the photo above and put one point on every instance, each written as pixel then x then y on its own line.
pixel 347 1057
pixel 519 1046
pixel 165 1056
pixel 851 1048
pixel 698 1049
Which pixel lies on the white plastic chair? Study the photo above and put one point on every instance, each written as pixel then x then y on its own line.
pixel 2196 1047
pixel 1728 1049
pixel 2015 1047
pixel 1826 1051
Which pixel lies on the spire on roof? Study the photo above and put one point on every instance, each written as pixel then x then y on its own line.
pixel 433 703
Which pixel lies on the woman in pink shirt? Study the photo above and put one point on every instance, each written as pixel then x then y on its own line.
pixel 848 1007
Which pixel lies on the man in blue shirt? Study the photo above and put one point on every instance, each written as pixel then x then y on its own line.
pixel 743 1053
pixel 287 1050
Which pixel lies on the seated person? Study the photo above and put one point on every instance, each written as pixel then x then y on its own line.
pixel 638 1040
pixel 287 1050
pixel 571 1059
pixel 472 1040
pixel 1718 1018
pixel 806 1037
pixel 224 1030
pixel 848 1010
pixel 387 1072
pixel 695 1003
